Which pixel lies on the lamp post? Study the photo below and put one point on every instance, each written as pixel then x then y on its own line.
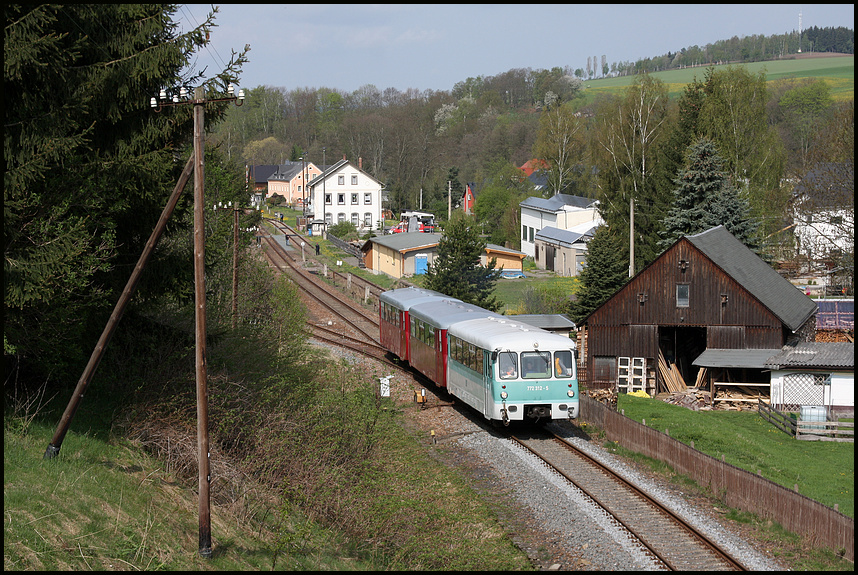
pixel 199 101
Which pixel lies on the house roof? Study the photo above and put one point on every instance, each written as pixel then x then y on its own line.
pixel 827 184
pixel 815 355
pixel 557 202
pixel 503 250
pixel 747 358
pixel 404 242
pixel 262 172
pixel 332 169
pixel 565 237
pixel 790 305
pixel 287 171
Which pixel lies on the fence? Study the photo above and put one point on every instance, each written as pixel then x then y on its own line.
pixel 825 431
pixel 780 420
pixel 736 487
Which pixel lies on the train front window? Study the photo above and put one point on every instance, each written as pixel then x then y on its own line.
pixel 535 364
pixel 563 366
pixel 507 365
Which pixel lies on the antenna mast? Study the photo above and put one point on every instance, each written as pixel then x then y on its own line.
pixel 799 31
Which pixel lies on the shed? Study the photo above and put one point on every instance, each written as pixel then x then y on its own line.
pixel 563 251
pixel 706 291
pixel 814 374
pixel 400 255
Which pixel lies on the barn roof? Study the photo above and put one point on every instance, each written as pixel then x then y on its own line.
pixel 815 355
pixel 782 298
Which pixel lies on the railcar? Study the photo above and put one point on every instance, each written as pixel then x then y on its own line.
pixel 509 371
pixel 394 325
pixel 428 323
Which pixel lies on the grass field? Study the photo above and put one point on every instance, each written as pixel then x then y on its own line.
pixel 838 71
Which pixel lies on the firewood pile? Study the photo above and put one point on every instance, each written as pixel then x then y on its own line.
pixel 691 398
pixel 606 396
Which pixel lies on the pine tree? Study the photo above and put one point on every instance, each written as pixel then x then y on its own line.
pixel 456 270
pixel 89 166
pixel 705 197
pixel 605 273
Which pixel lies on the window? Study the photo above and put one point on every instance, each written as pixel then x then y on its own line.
pixel 681 295
pixel 507 365
pixel 354 180
pixel 531 235
pixel 564 365
pixel 341 199
pixel 367 198
pixel 341 217
pixel 341 180
pixel 355 221
pixel 524 233
pixel 367 219
pixel 329 219
pixel 354 199
pixel 535 364
pixel 328 199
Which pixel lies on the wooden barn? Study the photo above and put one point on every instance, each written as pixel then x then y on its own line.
pixel 706 292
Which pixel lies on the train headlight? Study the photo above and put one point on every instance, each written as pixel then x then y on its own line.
pixel 503 395
pixel 571 393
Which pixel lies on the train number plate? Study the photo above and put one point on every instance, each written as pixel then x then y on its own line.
pixel 537 387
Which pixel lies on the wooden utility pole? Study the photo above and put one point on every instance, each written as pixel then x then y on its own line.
pixel 449 200
pixel 56 442
pixel 200 302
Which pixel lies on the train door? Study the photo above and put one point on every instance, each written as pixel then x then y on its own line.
pixel 488 378
pixel 403 335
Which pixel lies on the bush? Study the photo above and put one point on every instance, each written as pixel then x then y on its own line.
pixel 346 231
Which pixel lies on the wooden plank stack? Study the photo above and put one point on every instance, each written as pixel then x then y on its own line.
pixel 670 375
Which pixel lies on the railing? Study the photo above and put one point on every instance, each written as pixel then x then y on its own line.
pixel 780 420
pixel 825 431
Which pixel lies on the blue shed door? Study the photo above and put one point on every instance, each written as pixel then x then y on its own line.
pixel 420 264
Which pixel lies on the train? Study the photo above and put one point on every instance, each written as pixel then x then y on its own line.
pixel 506 370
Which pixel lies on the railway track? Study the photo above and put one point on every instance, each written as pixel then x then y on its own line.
pixel 678 545
pixel 349 318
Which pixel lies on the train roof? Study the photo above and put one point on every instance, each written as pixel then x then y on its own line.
pixel 445 312
pixel 405 298
pixel 492 333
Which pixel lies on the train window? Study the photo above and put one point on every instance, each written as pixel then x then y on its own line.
pixel 507 365
pixel 535 364
pixel 563 365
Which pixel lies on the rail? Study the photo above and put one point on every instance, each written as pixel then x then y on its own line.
pixel 780 420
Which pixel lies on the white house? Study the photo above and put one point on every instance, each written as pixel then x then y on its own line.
pixel 560 211
pixel 824 212
pixel 814 374
pixel 345 193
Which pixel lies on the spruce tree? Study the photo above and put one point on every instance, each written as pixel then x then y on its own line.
pixel 705 197
pixel 456 270
pixel 605 273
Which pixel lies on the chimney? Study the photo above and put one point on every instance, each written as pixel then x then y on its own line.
pixel 360 163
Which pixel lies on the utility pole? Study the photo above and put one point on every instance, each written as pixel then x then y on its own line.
pixel 324 195
pixel 449 200
pixel 195 164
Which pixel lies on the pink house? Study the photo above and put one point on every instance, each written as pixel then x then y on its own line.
pixel 288 180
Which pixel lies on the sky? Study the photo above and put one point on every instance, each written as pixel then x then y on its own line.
pixel 434 46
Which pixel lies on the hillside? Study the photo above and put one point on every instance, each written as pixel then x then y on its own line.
pixel 837 70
